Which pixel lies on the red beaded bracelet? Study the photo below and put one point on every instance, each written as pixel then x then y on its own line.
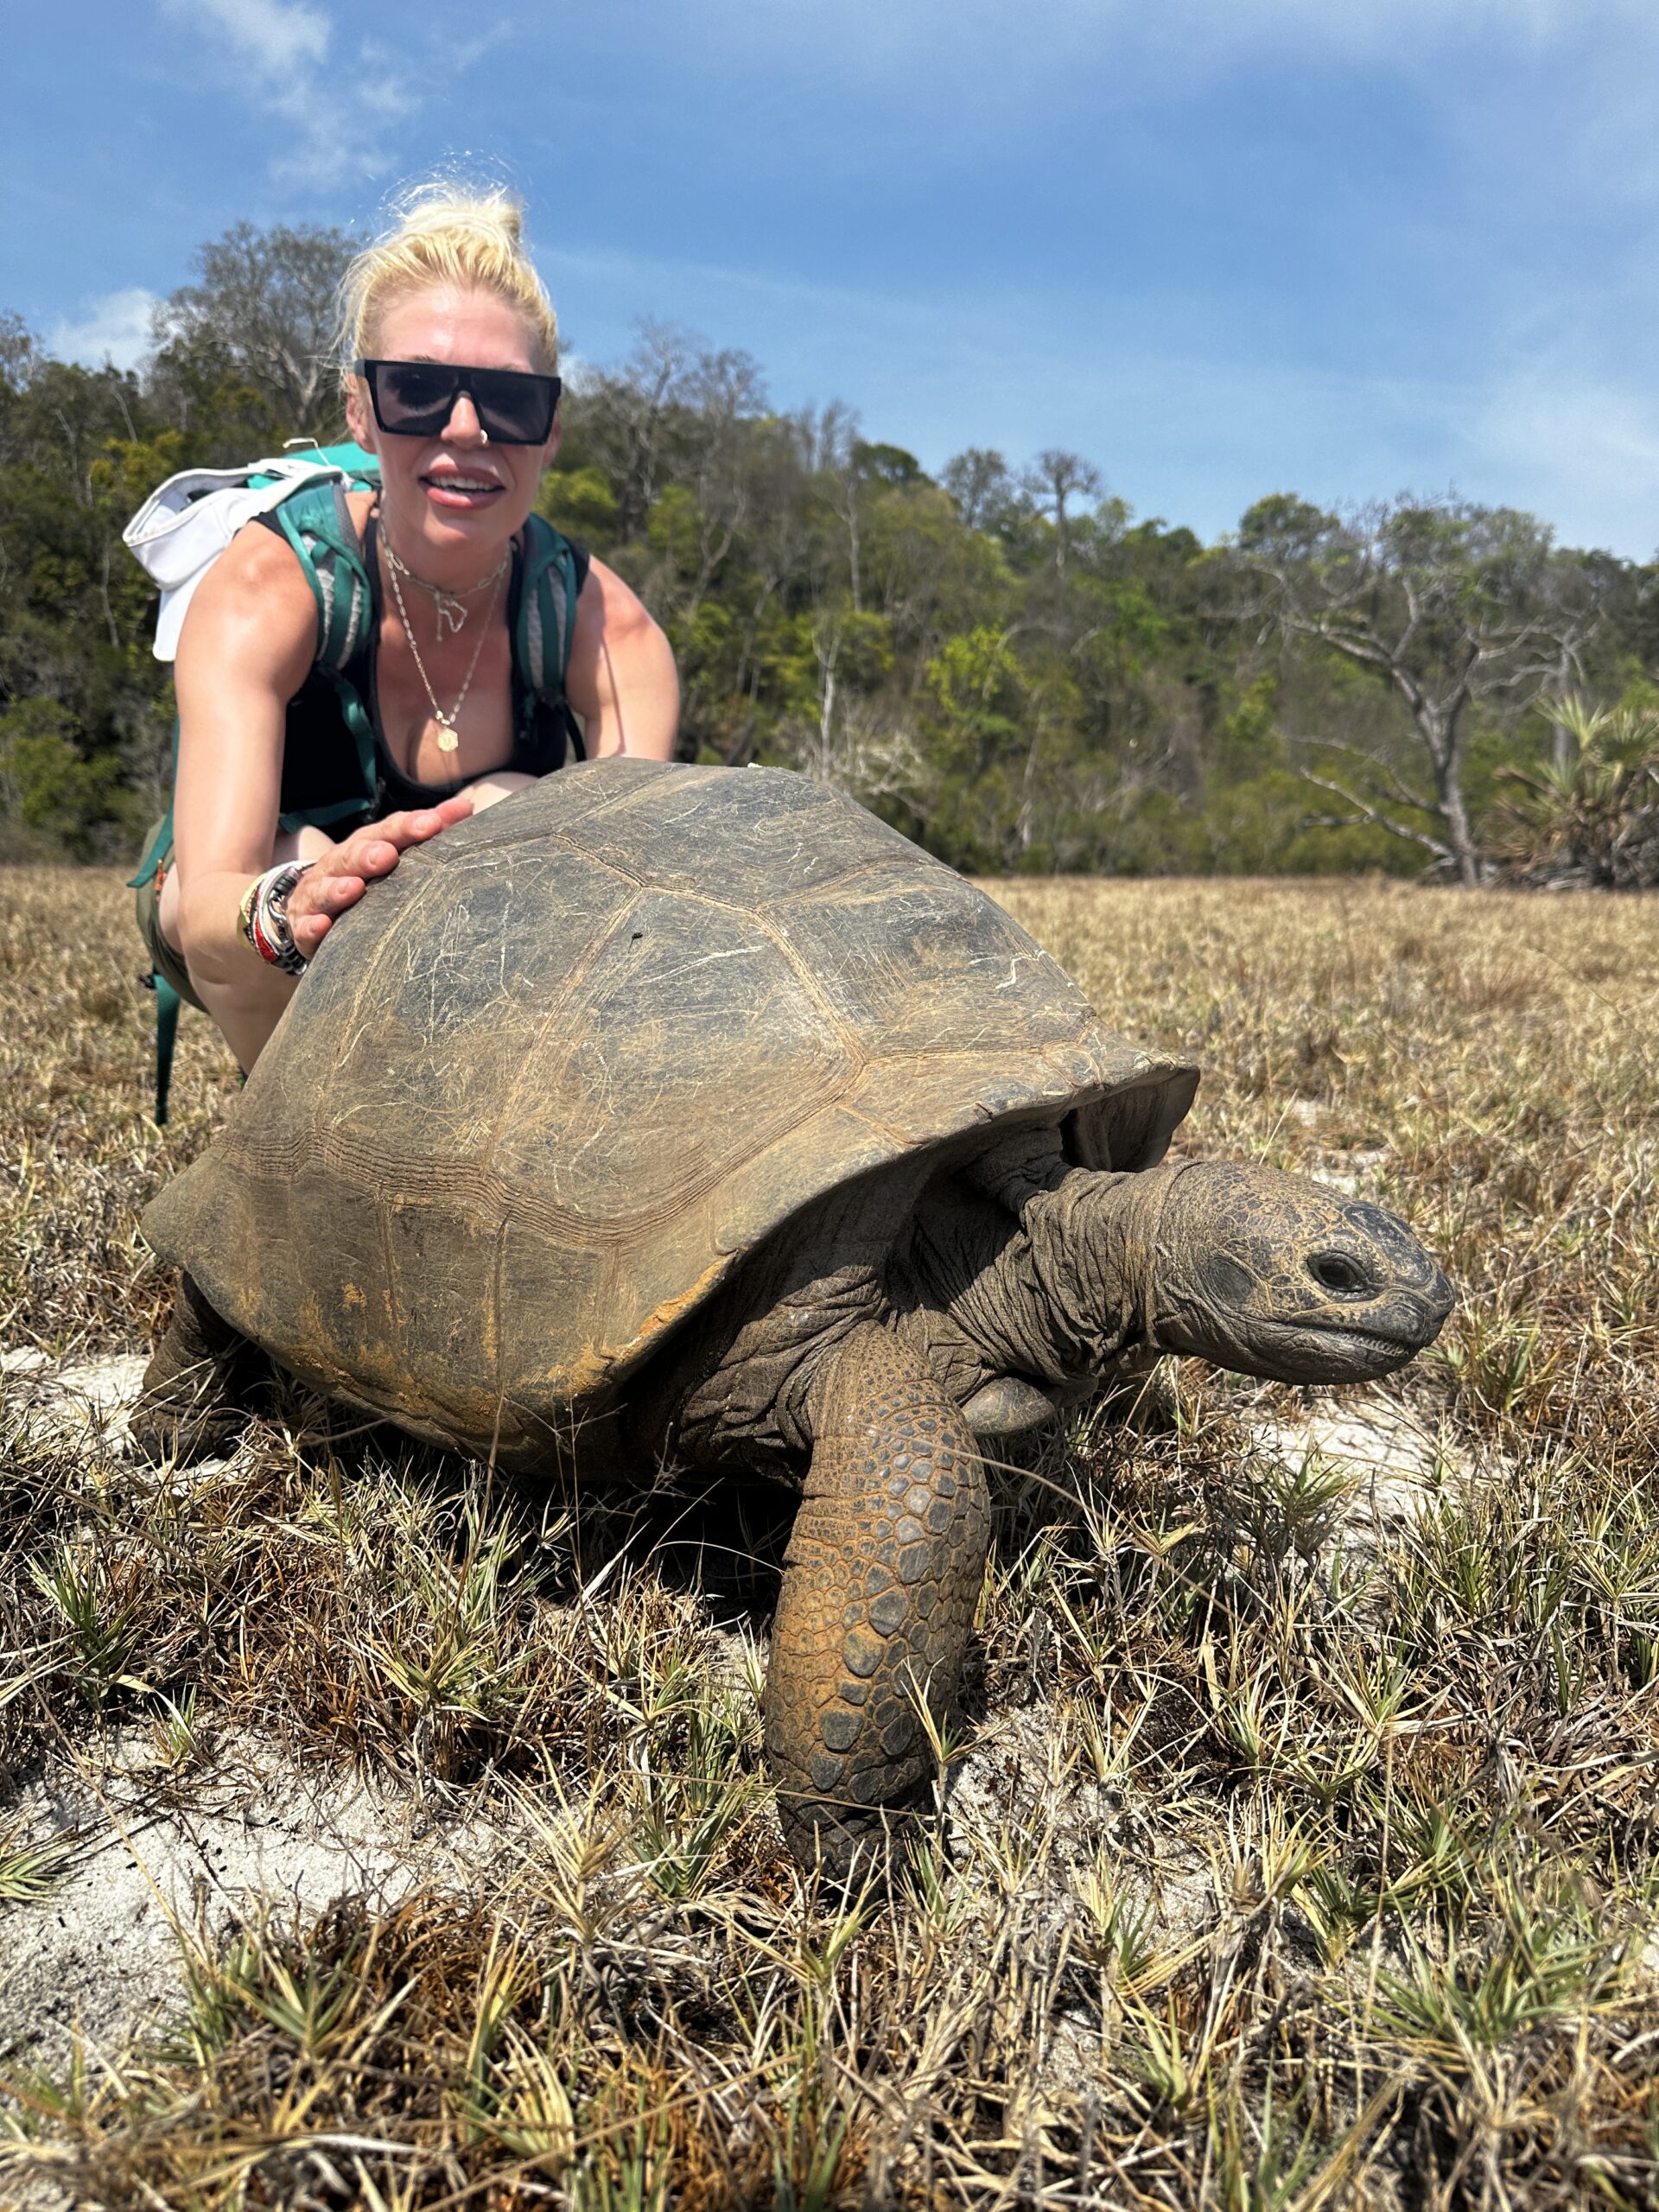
pixel 264 917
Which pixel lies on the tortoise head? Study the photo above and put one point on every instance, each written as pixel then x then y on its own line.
pixel 1272 1274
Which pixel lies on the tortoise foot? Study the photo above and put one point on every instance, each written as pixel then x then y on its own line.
pixel 193 1405
pixel 880 1582
pixel 846 1846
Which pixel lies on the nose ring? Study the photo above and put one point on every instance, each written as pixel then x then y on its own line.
pixel 484 434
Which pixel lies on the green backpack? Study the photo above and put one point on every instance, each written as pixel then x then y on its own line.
pixel 317 523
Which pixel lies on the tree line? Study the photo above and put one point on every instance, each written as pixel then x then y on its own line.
pixel 1003 660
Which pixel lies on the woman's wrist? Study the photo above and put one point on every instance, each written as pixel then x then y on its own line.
pixel 262 917
pixel 210 933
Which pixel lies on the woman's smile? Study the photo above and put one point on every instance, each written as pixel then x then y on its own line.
pixel 465 490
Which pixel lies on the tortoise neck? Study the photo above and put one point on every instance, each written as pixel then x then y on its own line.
pixel 1091 1244
pixel 1059 1294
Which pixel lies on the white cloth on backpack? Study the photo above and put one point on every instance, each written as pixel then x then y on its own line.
pixel 182 527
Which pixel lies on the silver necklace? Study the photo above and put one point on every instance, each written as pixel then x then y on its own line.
pixel 448 734
pixel 451 607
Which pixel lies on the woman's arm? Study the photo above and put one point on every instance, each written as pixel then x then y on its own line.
pixel 246 647
pixel 622 680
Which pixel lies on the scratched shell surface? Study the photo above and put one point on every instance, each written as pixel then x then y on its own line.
pixel 546 1086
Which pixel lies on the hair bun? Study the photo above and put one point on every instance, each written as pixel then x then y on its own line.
pixel 446 232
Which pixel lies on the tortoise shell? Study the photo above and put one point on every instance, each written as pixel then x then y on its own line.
pixel 546 1086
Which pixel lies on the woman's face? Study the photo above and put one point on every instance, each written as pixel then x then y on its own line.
pixel 456 493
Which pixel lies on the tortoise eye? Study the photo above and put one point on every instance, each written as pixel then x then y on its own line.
pixel 1335 1271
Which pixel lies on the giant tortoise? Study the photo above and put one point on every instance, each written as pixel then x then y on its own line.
pixel 666 1110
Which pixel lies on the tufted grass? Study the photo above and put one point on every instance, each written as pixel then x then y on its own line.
pixel 1297 1858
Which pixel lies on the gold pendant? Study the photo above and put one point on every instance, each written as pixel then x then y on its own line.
pixel 449 738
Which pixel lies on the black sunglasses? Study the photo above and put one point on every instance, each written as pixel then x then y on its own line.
pixel 415 399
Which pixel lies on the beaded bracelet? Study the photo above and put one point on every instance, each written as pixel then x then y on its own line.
pixel 263 917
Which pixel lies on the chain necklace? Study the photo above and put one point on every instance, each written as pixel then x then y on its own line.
pixel 448 734
pixel 451 610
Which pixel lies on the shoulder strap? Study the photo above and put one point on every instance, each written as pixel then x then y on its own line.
pixel 168 1003
pixel 317 523
pixel 547 611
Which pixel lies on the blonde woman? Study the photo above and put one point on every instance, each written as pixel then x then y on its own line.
pixel 298 784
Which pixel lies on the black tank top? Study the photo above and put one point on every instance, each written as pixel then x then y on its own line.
pixel 320 764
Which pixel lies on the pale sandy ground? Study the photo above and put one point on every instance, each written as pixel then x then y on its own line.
pixel 160 1860
pixel 149 1873
pixel 1394 1460
pixel 156 1865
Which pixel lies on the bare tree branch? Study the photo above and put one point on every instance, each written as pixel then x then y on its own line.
pixel 1449 605
pixel 1366 812
pixel 1401 789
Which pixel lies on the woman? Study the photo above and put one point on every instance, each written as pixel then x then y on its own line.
pixel 448 357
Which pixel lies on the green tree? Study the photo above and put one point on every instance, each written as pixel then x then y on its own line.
pixel 1005 661
pixel 1589 818
pixel 74 609
pixel 1054 482
pixel 61 798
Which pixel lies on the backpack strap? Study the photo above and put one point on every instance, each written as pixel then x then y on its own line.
pixel 147 883
pixel 160 840
pixel 317 523
pixel 546 616
pixel 168 1003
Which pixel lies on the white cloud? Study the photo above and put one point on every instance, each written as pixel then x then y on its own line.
pixel 333 133
pixel 277 34
pixel 335 137
pixel 115 329
pixel 333 129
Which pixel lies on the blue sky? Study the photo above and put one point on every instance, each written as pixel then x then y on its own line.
pixel 1221 247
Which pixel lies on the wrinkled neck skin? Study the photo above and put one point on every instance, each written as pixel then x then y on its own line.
pixel 1057 1296
pixel 1024 1278
pixel 1053 1293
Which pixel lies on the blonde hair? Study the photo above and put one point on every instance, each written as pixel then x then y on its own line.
pixel 446 234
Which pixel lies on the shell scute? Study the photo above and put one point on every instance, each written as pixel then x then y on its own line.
pixel 922 963
pixel 419 1049
pixel 653 1090
pixel 772 842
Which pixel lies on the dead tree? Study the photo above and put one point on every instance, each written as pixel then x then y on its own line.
pixel 1454 607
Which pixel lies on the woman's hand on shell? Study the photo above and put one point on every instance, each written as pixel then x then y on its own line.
pixel 339 879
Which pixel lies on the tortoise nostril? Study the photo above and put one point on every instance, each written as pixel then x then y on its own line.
pixel 1335 1271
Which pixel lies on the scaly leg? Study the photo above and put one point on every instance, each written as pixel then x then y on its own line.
pixel 191 1404
pixel 880 1581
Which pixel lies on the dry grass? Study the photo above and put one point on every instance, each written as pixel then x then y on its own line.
pixel 1281 1870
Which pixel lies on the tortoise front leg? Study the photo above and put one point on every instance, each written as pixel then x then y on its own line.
pixel 880 1581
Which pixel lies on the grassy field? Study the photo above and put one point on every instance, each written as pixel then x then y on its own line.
pixel 1303 1847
